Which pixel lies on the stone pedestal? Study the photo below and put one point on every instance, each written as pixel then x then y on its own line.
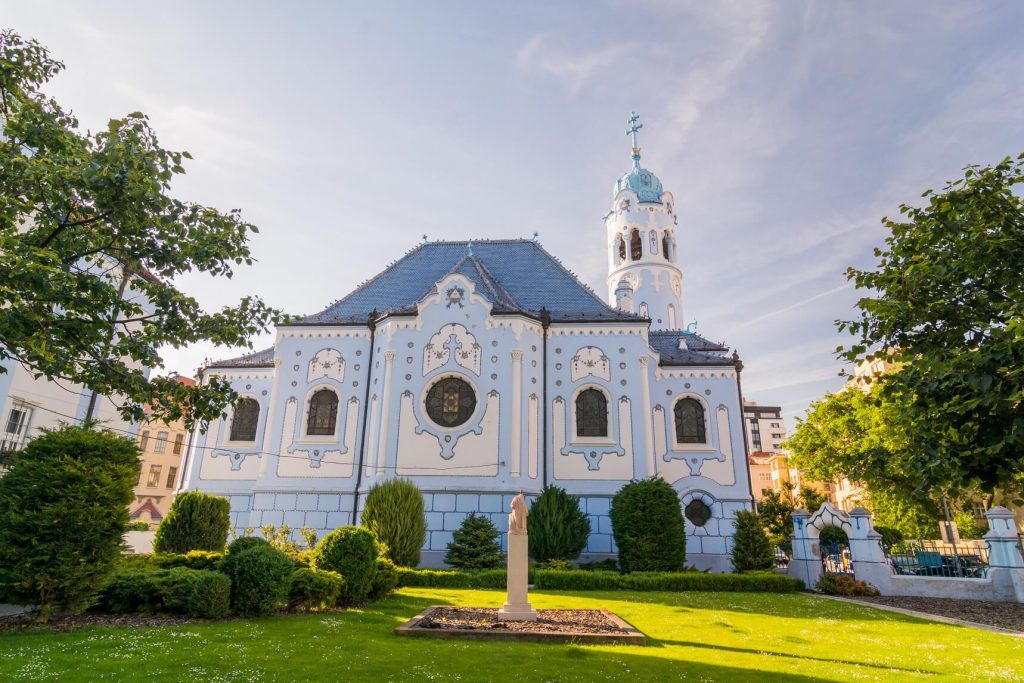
pixel 517 605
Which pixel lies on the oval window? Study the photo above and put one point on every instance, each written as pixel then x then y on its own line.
pixel 697 512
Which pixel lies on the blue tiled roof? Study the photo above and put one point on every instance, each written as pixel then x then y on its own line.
pixel 259 359
pixel 699 351
pixel 514 275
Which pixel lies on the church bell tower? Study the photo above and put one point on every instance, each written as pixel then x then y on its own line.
pixel 643 276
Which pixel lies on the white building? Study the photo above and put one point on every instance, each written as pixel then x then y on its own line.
pixel 765 427
pixel 478 369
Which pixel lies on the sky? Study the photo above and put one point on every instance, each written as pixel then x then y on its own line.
pixel 346 131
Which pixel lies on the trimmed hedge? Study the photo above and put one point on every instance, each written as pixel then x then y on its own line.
pixel 647 525
pixel 196 521
pixel 259 579
pixel 197 593
pixel 583 580
pixel 312 589
pixel 352 552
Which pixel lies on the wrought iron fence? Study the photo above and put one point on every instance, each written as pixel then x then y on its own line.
pixel 938 558
pixel 781 558
pixel 836 559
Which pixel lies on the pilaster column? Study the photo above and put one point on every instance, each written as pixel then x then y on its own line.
pixel 515 450
pixel 648 418
pixel 385 405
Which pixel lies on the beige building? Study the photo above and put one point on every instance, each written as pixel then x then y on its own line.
pixel 764 427
pixel 162 447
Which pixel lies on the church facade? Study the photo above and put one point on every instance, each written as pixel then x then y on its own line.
pixel 481 369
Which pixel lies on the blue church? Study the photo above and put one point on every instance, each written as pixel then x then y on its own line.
pixel 478 369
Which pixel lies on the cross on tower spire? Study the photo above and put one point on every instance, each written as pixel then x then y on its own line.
pixel 631 131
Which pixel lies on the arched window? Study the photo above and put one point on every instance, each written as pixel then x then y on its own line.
pixel 245 419
pixel 591 413
pixel 323 413
pixel 664 248
pixel 622 249
pixel 635 246
pixel 689 414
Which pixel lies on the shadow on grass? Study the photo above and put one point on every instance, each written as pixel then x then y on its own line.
pixel 663 642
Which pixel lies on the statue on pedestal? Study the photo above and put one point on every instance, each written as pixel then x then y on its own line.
pixel 517 606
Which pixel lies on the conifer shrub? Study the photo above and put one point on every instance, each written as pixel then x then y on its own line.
pixel 196 521
pixel 63 512
pixel 751 549
pixel 193 559
pixel 197 593
pixel 647 525
pixel 211 596
pixel 311 589
pixel 259 579
pixel 352 552
pixel 386 579
pixel 394 514
pixel 244 543
pixel 558 527
pixel 475 545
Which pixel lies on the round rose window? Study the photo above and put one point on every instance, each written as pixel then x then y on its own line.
pixel 451 402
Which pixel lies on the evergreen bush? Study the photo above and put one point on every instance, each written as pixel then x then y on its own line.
pixel 352 552
pixel 647 524
pixel 558 527
pixel 311 589
pixel 244 543
pixel 196 521
pixel 193 559
pixel 751 549
pixel 211 596
pixel 63 512
pixel 475 545
pixel 197 593
pixel 386 579
pixel 259 579
pixel 394 514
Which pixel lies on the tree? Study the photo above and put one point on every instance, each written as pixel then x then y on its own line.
pixel 474 545
pixel 648 528
pixel 63 512
pixel 775 510
pixel 946 302
pixel 811 499
pixel 196 521
pixel 91 240
pixel 394 513
pixel 751 549
pixel 559 529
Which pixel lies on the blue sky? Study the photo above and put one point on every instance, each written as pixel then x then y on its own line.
pixel 347 130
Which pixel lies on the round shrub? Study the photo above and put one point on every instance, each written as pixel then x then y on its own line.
pixel 352 552
pixel 386 579
pixel 475 545
pixel 244 543
pixel 751 548
pixel 196 521
pixel 259 579
pixel 63 512
pixel 210 597
pixel 558 527
pixel 312 589
pixel 647 524
pixel 394 514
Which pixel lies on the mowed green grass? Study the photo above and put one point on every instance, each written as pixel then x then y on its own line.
pixel 691 637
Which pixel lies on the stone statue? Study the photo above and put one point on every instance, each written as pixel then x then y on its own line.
pixel 517 518
pixel 517 606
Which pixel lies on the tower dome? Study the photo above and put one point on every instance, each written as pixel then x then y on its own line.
pixel 645 184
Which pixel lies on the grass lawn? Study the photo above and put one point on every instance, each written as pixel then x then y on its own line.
pixel 691 636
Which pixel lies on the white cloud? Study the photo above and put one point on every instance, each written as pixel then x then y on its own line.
pixel 573 68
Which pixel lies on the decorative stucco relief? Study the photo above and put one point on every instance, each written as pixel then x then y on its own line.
pixel 590 360
pixel 327 363
pixel 452 342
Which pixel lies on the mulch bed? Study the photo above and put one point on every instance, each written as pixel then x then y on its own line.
pixel 1008 615
pixel 559 625
pixel 70 622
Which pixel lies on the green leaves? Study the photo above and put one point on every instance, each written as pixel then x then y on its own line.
pixel 92 240
pixel 946 303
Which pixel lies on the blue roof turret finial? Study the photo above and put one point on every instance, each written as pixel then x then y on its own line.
pixel 632 131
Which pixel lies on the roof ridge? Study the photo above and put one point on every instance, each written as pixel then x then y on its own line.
pixel 493 283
